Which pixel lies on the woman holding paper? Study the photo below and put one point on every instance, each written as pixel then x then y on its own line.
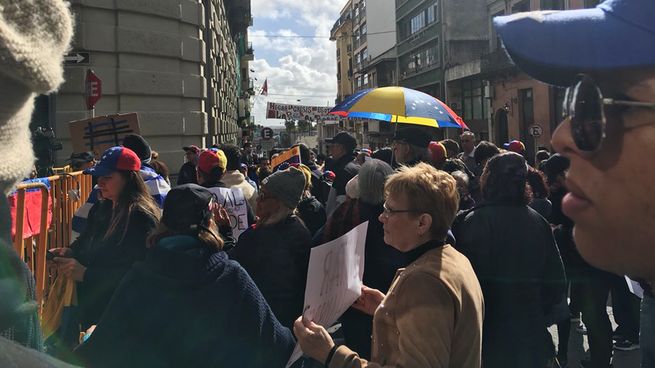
pixel 432 314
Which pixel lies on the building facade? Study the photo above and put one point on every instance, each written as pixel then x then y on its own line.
pixel 180 64
pixel 341 33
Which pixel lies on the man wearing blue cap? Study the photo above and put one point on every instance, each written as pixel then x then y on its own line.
pixel 606 58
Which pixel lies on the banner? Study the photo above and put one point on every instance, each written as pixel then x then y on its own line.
pixel 297 112
pixel 235 203
pixel 334 279
pixel 291 156
pixel 102 132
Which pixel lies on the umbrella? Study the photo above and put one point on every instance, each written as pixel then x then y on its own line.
pixel 399 105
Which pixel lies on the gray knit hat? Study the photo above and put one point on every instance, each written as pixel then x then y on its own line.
pixel 34 36
pixel 286 185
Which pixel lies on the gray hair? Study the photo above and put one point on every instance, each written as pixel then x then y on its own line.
pixel 468 132
pixel 372 177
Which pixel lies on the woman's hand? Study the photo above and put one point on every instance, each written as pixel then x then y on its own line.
pixel 369 301
pixel 221 217
pixel 71 268
pixel 314 340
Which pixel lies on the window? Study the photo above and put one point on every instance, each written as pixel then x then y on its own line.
pixel 366 79
pixel 427 16
pixel 432 12
pixel 421 59
pixel 362 29
pixel 552 4
pixel 473 99
pixel 364 54
pixel 417 23
pixel 523 6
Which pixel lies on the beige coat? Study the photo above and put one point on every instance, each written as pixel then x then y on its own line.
pixel 236 179
pixel 431 317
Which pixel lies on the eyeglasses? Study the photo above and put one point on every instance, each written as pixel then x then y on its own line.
pixel 585 105
pixel 388 211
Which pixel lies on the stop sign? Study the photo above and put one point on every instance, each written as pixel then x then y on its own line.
pixel 267 133
pixel 93 89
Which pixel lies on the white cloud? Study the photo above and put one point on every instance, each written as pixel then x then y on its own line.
pixel 302 68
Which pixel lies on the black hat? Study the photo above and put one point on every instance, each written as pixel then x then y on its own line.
pixel 187 206
pixel 139 145
pixel 414 136
pixel 555 165
pixel 344 139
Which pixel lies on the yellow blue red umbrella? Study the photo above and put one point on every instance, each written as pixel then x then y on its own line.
pixel 399 105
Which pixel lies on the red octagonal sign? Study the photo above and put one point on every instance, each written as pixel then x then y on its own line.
pixel 93 89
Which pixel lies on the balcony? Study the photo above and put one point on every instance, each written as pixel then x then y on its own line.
pixel 496 61
pixel 249 54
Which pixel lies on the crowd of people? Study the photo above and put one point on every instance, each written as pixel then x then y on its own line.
pixel 472 250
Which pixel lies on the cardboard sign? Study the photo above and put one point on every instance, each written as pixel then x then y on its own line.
pixel 290 156
pixel 102 132
pixel 334 279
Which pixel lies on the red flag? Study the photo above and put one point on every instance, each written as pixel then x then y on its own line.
pixel 265 88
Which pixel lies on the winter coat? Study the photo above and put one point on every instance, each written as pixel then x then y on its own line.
pixel 312 213
pixel 236 179
pixel 431 316
pixel 107 260
pixel 277 257
pixel 187 306
pixel 514 255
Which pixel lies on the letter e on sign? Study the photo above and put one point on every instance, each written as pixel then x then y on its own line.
pixel 93 89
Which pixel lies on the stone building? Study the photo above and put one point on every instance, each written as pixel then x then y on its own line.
pixel 182 65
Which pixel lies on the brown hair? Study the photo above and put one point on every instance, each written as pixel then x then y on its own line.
pixel 427 190
pixel 133 197
pixel 208 236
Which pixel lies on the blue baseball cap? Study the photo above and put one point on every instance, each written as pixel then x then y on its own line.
pixel 555 46
pixel 115 159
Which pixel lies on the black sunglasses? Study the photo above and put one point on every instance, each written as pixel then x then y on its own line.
pixel 585 105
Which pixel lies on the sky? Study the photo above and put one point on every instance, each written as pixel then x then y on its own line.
pixel 296 68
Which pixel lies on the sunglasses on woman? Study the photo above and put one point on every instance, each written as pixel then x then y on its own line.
pixel 585 105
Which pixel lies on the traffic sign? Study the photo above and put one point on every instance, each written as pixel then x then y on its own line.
pixel 93 89
pixel 267 133
pixel 77 58
pixel 536 130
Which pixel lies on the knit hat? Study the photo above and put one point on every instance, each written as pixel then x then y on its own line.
pixel 352 187
pixel 209 159
pixel 139 145
pixel 34 36
pixel 286 185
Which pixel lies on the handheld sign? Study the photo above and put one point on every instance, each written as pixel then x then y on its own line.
pixel 291 156
pixel 233 200
pixel 334 279
pixel 102 132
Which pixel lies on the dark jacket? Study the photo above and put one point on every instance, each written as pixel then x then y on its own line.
pixel 312 213
pixel 344 169
pixel 107 260
pixel 187 174
pixel 514 255
pixel 277 258
pixel 187 306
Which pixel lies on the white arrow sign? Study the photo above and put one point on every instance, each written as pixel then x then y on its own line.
pixel 77 58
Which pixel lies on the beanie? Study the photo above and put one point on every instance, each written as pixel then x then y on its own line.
pixel 286 185
pixel 139 145
pixel 34 36
pixel 372 177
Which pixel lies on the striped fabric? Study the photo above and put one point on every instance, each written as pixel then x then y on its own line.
pixel 157 186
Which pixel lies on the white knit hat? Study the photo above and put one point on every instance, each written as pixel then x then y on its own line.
pixel 34 36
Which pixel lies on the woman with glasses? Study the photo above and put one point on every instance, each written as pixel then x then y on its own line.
pixel 275 251
pixel 432 314
pixel 514 255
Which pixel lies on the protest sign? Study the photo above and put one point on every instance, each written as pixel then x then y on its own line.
pixel 234 202
pixel 297 112
pixel 334 279
pixel 102 132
